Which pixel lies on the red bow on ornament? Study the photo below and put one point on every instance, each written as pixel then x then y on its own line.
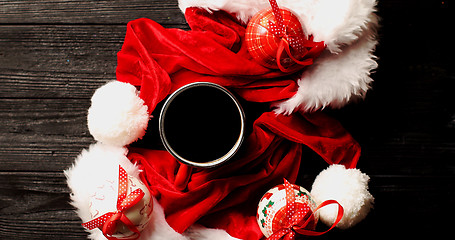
pixel 108 222
pixel 297 41
pixel 296 222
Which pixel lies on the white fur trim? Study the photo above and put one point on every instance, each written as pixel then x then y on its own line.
pixel 335 79
pixel 91 168
pixel 117 115
pixel 158 228
pixel 336 22
pixel 347 186
pixel 342 73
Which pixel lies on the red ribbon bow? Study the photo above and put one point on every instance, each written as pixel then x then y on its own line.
pixel 305 47
pixel 108 222
pixel 296 222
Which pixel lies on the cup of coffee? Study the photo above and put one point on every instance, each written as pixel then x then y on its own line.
pixel 202 124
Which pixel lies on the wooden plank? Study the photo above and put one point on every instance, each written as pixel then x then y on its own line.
pixel 35 205
pixel 89 12
pixel 57 61
pixel 42 134
pixel 39 153
pixel 41 229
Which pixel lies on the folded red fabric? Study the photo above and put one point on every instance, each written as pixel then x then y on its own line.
pixel 159 61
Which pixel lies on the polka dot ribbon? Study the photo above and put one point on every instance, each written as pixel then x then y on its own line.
pixel 277 29
pixel 305 47
pixel 108 222
pixel 296 222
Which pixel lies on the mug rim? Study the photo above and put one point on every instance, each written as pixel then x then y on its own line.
pixel 216 161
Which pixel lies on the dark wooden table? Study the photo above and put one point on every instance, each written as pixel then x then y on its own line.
pixel 54 54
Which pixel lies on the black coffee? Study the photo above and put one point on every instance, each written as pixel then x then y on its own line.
pixel 202 124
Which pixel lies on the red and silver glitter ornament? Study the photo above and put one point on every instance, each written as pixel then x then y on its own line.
pixel 275 39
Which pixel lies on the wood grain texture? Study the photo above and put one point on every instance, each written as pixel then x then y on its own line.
pixel 54 54
pixel 57 61
pixel 104 12
pixel 42 134
pixel 34 205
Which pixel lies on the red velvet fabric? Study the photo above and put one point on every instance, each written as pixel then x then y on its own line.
pixel 159 60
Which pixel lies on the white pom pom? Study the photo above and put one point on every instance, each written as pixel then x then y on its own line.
pixel 347 186
pixel 118 115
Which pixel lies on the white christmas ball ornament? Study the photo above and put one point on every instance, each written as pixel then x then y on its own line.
pixel 117 115
pixel 272 209
pixel 347 186
pixel 104 200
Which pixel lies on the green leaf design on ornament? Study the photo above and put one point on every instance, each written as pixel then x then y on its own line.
pixel 264 211
pixel 301 193
pixel 263 222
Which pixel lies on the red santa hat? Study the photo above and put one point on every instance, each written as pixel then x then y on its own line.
pixel 341 74
pixel 151 67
